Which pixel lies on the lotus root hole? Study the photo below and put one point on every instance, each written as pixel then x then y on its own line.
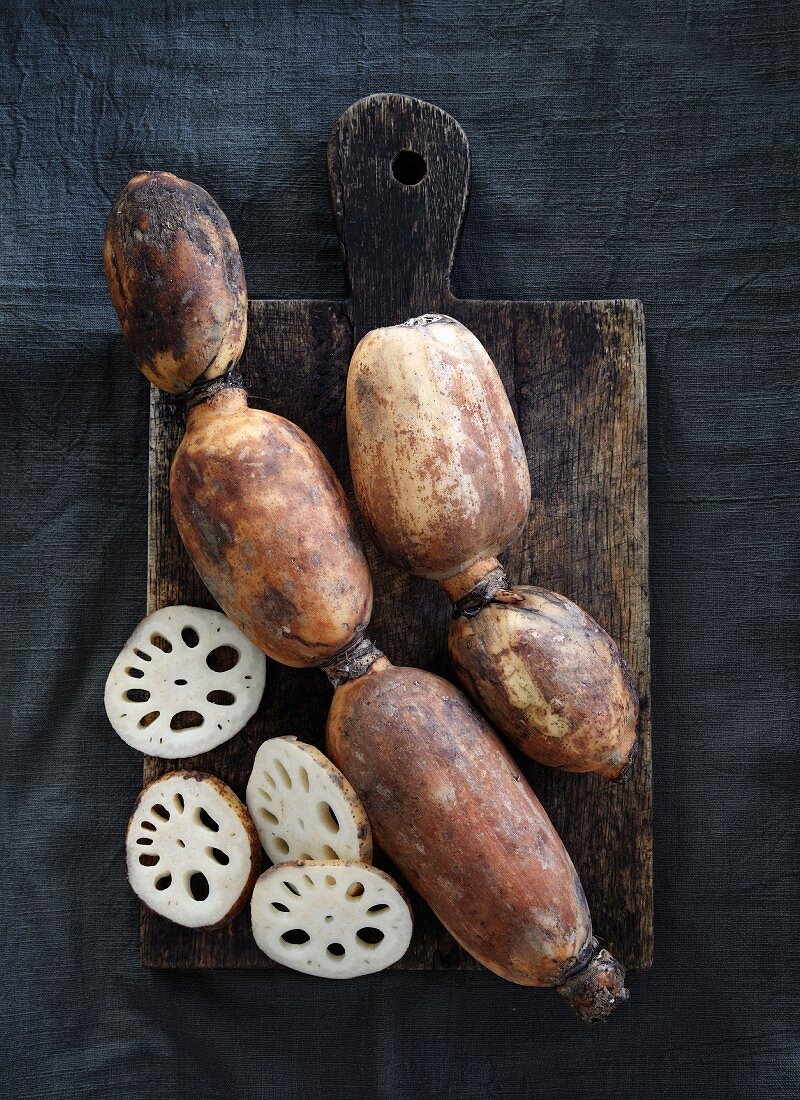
pixel 218 856
pixel 281 845
pixel 161 811
pixel 181 683
pixel 370 936
pixel 148 719
pixel 186 720
pixel 198 886
pixel 378 908
pixel 355 890
pixel 190 637
pixel 144 840
pixel 160 642
pixel 203 817
pixel 330 880
pixel 136 695
pixel 336 950
pixel 221 698
pixel 296 936
pixel 164 882
pixel 291 887
pixel 147 859
pixel 284 775
pixel 149 826
pixel 280 906
pixel 223 658
pixel 304 783
pixel 271 818
pixel 328 817
pixel 179 803
pixel 141 653
pixel 136 673
pixel 328 852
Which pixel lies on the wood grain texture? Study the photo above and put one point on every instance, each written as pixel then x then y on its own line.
pixel 575 374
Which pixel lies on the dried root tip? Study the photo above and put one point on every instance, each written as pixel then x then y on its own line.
pixel 595 991
pixel 352 662
pixel 429 319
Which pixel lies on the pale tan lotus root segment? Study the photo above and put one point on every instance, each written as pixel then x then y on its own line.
pixel 168 675
pixel 333 919
pixel 192 851
pixel 303 807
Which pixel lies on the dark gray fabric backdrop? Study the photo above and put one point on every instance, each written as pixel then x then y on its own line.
pixel 619 149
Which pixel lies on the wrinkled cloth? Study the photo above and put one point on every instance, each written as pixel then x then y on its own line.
pixel 619 150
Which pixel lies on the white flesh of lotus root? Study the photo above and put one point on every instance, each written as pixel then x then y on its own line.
pixel 335 920
pixel 192 851
pixel 164 696
pixel 303 807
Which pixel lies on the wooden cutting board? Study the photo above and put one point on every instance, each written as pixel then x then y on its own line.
pixel 575 374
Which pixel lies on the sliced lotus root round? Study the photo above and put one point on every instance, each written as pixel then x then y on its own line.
pixel 192 852
pixel 303 807
pixel 335 920
pixel 186 681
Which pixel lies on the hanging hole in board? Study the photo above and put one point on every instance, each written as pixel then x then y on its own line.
pixel 190 637
pixel 409 167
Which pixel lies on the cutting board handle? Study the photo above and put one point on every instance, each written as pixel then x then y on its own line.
pixel 399 177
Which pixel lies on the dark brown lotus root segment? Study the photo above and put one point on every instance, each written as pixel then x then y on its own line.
pixel 267 525
pixel 449 806
pixel 551 679
pixel 176 280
